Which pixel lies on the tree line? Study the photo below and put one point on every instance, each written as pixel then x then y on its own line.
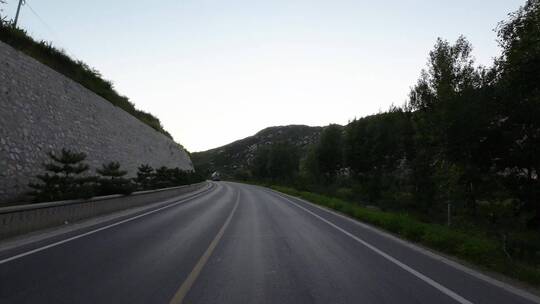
pixel 468 136
pixel 67 176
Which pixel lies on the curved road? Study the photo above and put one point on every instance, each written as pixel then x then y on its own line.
pixel 237 243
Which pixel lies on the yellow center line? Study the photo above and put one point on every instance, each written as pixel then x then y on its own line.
pixel 188 283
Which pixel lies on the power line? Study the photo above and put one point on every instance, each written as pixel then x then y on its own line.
pixel 47 26
pixel 39 17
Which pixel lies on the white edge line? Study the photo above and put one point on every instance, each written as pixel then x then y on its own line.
pixel 509 288
pixel 18 256
pixel 417 274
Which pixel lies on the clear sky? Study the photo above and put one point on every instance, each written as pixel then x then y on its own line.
pixel 215 71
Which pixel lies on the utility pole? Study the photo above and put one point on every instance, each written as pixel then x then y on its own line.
pixel 21 2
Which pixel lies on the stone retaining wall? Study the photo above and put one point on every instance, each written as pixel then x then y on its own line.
pixel 42 110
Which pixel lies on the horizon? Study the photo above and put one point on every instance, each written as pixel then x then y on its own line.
pixel 256 65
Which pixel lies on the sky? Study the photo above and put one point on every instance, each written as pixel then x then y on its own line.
pixel 214 71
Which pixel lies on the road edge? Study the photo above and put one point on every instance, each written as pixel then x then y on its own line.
pixel 96 223
pixel 526 294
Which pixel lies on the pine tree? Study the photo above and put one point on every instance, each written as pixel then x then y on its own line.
pixel 111 180
pixel 145 177
pixel 164 178
pixel 63 180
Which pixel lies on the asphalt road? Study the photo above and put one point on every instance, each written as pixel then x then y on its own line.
pixel 237 244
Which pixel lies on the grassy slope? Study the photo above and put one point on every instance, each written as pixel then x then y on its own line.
pixel 78 71
pixel 471 247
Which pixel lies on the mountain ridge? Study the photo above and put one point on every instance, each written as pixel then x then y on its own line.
pixel 236 157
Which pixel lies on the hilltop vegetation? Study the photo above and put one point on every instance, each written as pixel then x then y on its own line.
pixel 468 136
pixel 235 159
pixel 77 70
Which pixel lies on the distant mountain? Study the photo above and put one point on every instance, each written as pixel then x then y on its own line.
pixel 237 156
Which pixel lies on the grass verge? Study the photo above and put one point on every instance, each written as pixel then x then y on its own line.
pixel 471 247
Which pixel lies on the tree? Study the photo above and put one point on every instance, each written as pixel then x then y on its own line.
pixel 145 177
pixel 283 162
pixel 375 147
pixel 309 166
pixel 163 178
pixel 111 180
pixel 518 106
pixel 179 177
pixel 278 162
pixel 259 166
pixel 450 71
pixel 329 153
pixel 452 112
pixel 166 177
pixel 63 179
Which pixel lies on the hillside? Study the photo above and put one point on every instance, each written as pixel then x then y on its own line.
pixel 237 156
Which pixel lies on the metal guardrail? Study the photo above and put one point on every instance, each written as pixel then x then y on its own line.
pixel 16 220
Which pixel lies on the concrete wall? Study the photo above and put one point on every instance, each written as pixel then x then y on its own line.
pixel 41 111
pixel 23 219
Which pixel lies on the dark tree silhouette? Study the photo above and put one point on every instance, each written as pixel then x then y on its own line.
pixel 112 181
pixel 145 177
pixel 63 179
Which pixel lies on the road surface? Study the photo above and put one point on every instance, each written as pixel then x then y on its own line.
pixel 237 243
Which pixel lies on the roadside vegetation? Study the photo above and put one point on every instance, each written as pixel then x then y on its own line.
pixel 472 245
pixel 77 70
pixel 67 177
pixel 467 139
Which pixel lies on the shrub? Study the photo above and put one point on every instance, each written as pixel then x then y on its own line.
pixel 414 231
pixel 481 251
pixel 442 239
pixel 345 193
pixel 472 246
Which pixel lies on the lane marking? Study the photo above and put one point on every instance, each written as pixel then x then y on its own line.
pixel 181 293
pixel 478 275
pixel 18 256
pixel 403 266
